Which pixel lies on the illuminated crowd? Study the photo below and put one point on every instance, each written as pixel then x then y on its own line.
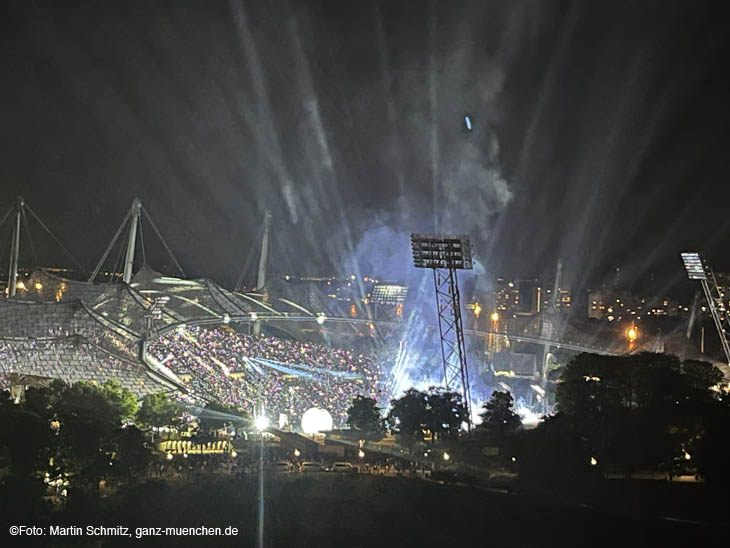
pixel 227 366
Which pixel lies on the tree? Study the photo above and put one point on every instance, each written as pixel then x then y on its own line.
pixel 498 416
pixel 89 422
pixel 364 416
pixel 439 411
pixel 131 456
pixel 446 412
pixel 157 410
pixel 639 411
pixel 121 398
pixel 409 415
pixel 73 432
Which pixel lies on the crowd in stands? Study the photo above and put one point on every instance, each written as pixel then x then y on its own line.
pixel 226 366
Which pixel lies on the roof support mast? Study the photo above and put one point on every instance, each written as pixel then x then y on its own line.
pixel 15 250
pixel 136 211
pixel 261 280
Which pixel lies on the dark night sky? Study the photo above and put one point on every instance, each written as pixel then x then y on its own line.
pixel 601 131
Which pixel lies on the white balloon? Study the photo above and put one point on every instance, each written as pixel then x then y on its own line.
pixel 316 420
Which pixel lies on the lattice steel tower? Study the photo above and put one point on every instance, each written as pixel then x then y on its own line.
pixel 698 269
pixel 445 255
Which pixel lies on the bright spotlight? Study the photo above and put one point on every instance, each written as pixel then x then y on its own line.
pixel 694 266
pixel 316 420
pixel 361 454
pixel 321 318
pixel 632 333
pixel 261 423
pixel 234 454
pixel 447 457
pixel 495 316
pixel 594 462
pixel 169 456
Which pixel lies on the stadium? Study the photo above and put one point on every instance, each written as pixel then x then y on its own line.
pixel 200 344
pixel 286 346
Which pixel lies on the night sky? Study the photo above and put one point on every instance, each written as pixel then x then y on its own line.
pixel 600 134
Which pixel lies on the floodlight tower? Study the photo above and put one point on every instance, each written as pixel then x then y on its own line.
pixel 698 269
pixel 445 255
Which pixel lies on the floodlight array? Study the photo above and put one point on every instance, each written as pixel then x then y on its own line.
pixel 389 294
pixel 693 265
pixel 441 251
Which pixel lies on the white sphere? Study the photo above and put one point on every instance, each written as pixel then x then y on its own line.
pixel 316 420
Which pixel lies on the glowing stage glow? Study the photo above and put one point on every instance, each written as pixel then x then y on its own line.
pixel 316 420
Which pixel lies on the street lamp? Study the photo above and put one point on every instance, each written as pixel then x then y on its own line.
pixel 261 423
pixel 447 457
pixel 361 454
pixel 495 316
pixel 297 452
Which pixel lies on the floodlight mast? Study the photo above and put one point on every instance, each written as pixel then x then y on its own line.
pixel 445 255
pixel 698 269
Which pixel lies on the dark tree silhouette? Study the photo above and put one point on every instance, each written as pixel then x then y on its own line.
pixel 498 416
pixel 364 416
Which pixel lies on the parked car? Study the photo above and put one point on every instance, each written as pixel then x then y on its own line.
pixel 282 466
pixel 309 466
pixel 342 467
